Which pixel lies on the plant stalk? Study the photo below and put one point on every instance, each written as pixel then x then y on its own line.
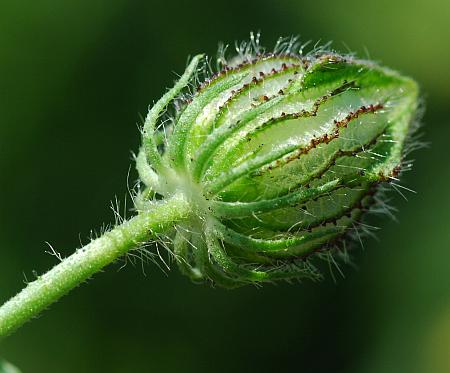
pixel 86 261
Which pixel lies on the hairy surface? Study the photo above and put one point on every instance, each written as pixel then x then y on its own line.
pixel 281 154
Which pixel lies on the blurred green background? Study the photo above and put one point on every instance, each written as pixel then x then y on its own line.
pixel 75 76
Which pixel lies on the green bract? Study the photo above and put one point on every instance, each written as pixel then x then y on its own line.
pixel 279 155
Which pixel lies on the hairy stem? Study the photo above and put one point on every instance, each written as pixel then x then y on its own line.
pixel 90 259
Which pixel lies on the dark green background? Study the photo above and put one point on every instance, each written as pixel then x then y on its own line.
pixel 75 76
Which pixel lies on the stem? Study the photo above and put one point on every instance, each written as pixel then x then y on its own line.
pixel 90 259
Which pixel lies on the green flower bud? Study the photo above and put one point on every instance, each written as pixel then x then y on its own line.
pixel 280 154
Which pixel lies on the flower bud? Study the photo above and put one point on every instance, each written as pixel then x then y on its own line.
pixel 280 156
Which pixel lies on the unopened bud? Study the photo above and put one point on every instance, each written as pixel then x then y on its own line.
pixel 280 156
